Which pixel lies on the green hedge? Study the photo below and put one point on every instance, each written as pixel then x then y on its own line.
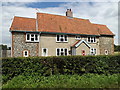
pixel 59 65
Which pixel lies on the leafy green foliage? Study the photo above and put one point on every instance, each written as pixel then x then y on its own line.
pixel 70 65
pixel 4 47
pixel 117 48
pixel 64 81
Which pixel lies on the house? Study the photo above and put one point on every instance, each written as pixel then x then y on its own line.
pixel 56 35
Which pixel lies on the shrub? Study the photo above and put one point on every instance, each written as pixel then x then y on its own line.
pixel 59 65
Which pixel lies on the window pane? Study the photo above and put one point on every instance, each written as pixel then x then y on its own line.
pixel 94 51
pixel 94 39
pixel 36 37
pixel 76 37
pixel 32 35
pixel 61 35
pixel 32 39
pixel 65 51
pixel 58 52
pixel 25 53
pixel 65 37
pixel 91 40
pixel 28 36
pixel 58 38
pixel 62 53
pixel 88 39
pixel 44 50
pixel 62 39
pixel 61 49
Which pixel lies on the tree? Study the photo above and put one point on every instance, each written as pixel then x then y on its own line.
pixel 117 48
pixel 3 47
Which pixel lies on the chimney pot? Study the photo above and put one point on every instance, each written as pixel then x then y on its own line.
pixel 69 13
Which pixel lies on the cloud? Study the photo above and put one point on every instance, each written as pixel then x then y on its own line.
pixel 59 0
pixel 101 13
pixel 8 14
pixel 97 12
pixel 20 0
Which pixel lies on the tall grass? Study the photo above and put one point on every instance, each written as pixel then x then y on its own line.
pixel 64 81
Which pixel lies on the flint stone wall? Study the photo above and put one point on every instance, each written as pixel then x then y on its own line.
pixel 106 43
pixel 20 44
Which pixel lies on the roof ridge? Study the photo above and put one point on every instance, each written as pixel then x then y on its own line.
pixel 24 17
pixel 60 15
pixel 98 24
pixel 73 25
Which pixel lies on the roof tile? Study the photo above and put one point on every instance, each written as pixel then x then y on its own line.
pixel 59 24
pixel 23 24
pixel 103 29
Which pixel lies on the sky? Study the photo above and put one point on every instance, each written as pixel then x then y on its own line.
pixel 104 12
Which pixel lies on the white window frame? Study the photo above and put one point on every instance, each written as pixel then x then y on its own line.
pixel 61 37
pixel 106 53
pixel 46 52
pixel 94 53
pixel 60 51
pixel 24 53
pixel 91 38
pixel 78 37
pixel 32 37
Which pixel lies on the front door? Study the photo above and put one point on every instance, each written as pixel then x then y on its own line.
pixel 83 52
pixel 73 51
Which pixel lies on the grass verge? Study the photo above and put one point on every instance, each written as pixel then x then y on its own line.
pixel 64 81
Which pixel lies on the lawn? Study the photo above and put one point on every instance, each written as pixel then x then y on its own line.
pixel 116 53
pixel 64 81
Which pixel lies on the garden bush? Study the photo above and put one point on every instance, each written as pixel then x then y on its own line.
pixel 69 65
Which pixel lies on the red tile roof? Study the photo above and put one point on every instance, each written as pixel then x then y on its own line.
pixel 59 24
pixel 103 29
pixel 63 24
pixel 23 24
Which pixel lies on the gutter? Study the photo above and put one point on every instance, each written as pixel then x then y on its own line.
pixel 107 35
pixel 51 33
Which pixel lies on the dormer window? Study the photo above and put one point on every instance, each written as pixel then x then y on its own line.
pixel 61 38
pixel 77 37
pixel 32 37
pixel 91 39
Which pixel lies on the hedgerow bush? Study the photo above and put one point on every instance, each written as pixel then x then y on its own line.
pixel 70 65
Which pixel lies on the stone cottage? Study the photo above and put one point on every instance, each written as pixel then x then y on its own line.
pixel 56 35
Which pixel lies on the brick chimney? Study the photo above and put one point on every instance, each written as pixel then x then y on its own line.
pixel 69 13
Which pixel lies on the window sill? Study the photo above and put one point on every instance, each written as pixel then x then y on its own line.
pixel 32 41
pixel 61 42
pixel 92 42
pixel 77 39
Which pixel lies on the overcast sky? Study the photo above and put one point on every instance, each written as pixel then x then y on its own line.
pixel 97 12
